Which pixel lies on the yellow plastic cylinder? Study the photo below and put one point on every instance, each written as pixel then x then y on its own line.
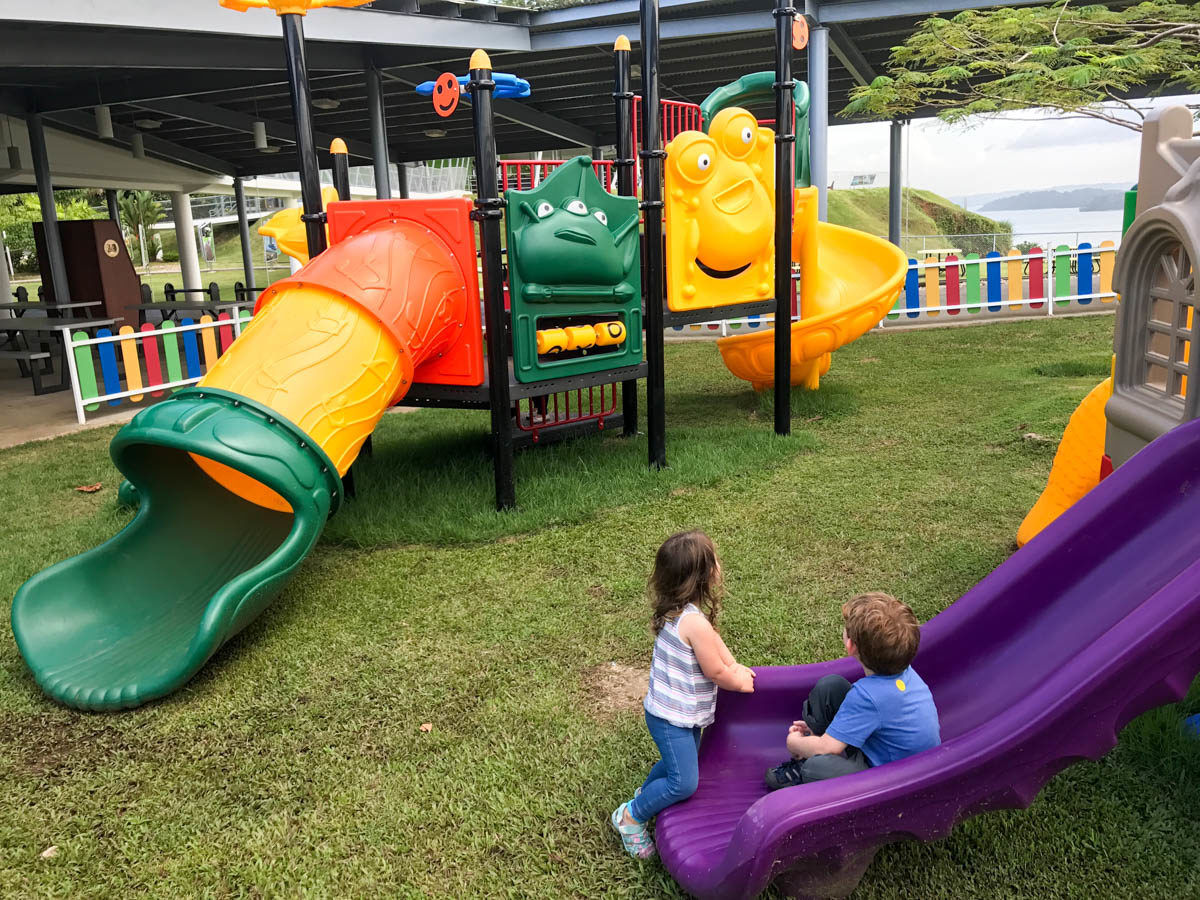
pixel 323 363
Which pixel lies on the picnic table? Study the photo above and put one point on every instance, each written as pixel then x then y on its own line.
pixel 51 309
pixel 36 341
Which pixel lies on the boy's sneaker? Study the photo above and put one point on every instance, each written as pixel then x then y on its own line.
pixel 787 775
pixel 634 838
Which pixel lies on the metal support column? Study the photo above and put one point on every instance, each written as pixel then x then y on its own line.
pixel 818 114
pixel 306 151
pixel 785 158
pixel 60 287
pixel 626 186
pixel 895 181
pixel 114 209
pixel 239 194
pixel 489 209
pixel 652 156
pixel 379 145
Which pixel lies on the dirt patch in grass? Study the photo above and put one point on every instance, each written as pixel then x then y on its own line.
pixel 42 746
pixel 613 688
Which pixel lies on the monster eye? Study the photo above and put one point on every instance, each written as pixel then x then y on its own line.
pixel 601 217
pixel 577 207
pixel 703 161
pixel 747 135
pixel 544 209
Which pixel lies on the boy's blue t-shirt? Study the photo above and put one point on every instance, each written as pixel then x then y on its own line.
pixel 888 717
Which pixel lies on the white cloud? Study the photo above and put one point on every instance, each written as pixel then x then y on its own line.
pixel 1016 151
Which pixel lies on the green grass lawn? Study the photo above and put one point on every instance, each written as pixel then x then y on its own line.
pixel 295 763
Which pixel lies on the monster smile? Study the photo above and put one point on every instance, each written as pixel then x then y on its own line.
pixel 721 273
pixel 575 236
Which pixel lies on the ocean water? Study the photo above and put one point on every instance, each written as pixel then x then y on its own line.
pixel 1060 226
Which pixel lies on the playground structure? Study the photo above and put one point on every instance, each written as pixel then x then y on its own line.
pixel 1153 362
pixel 386 310
pixel 255 457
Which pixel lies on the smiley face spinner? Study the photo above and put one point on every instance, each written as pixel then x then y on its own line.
pixel 720 213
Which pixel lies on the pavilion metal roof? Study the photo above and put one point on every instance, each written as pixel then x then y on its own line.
pixel 193 77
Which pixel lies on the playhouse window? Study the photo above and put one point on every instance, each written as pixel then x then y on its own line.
pixel 1168 336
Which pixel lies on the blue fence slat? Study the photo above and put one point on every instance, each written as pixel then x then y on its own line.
pixel 993 281
pixel 191 351
pixel 912 290
pixel 1083 280
pixel 108 366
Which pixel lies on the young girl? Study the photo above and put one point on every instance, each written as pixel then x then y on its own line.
pixel 690 662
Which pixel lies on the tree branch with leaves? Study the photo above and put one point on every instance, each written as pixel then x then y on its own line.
pixel 1077 60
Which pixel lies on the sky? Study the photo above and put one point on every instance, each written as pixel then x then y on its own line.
pixel 1013 152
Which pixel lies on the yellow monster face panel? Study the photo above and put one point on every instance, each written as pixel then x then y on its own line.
pixel 720 213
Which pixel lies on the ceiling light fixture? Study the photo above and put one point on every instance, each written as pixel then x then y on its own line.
pixel 271 148
pixel 435 132
pixel 147 124
pixel 326 103
pixel 104 130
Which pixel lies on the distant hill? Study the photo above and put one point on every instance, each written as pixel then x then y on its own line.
pixel 924 213
pixel 1084 199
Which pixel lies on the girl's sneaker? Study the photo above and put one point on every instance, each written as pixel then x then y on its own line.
pixel 635 838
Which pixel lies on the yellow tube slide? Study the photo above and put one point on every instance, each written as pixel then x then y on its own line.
pixel 335 345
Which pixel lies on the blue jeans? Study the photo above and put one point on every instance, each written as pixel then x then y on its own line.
pixel 676 776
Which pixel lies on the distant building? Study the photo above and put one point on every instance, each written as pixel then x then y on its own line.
pixel 853 180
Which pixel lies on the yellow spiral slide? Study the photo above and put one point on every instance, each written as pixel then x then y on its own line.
pixel 848 282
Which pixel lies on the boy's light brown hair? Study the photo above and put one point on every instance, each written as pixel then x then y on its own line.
pixel 884 630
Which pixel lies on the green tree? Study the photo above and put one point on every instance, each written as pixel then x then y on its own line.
pixel 139 210
pixel 1077 60
pixel 18 212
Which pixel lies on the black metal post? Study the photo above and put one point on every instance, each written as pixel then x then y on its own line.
pixel 341 168
pixel 784 186
pixel 239 195
pixel 59 285
pixel 402 180
pixel 306 151
pixel 626 187
pixel 895 183
pixel 652 156
pixel 489 208
pixel 114 209
pixel 379 146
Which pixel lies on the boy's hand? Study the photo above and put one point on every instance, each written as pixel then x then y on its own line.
pixel 801 728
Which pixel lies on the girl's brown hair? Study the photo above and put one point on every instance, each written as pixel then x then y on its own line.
pixel 686 570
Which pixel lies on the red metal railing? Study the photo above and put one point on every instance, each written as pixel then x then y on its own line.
pixel 593 404
pixel 526 174
pixel 677 116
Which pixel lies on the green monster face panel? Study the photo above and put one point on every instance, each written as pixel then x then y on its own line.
pixel 573 254
pixel 569 237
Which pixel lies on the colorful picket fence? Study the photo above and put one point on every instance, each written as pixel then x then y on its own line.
pixel 134 364
pixel 1047 279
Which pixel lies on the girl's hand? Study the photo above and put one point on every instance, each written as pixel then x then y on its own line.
pixel 801 728
pixel 746 677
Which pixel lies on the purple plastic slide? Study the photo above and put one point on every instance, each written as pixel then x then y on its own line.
pixel 1039 665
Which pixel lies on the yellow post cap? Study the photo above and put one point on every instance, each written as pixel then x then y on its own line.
pixel 480 60
pixel 338 146
pixel 621 44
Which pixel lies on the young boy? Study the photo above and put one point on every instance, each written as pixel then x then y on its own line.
pixel 885 716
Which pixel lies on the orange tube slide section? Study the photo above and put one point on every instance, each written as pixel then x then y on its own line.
pixel 336 344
